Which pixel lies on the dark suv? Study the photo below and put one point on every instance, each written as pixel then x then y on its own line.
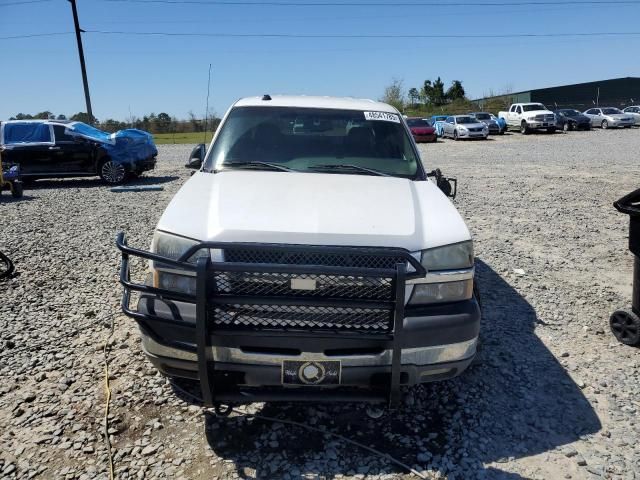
pixel 48 149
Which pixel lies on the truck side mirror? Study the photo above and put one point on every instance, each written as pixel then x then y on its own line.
pixel 196 157
pixel 449 186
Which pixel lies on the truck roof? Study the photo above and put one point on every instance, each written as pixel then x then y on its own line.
pixel 304 101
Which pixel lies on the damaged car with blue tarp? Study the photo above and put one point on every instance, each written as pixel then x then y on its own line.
pixel 55 148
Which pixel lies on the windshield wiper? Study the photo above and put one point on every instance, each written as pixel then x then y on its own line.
pixel 261 165
pixel 349 167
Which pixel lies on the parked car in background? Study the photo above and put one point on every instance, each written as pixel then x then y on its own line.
pixel 502 123
pixel 484 117
pixel 609 117
pixel 464 126
pixel 529 116
pixel 53 148
pixel 634 111
pixel 421 130
pixel 437 122
pixel 570 119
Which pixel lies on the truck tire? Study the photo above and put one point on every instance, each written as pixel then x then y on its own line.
pixel 524 128
pixel 551 130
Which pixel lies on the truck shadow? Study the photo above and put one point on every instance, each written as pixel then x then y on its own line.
pixel 516 400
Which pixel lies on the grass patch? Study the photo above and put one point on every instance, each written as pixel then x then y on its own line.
pixel 190 137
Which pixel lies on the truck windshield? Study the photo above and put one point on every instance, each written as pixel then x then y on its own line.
pixel 533 106
pixel 314 140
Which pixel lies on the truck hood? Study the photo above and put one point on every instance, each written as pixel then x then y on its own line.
pixel 313 209
pixel 531 113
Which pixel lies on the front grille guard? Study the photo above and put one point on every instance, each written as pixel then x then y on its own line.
pixel 208 301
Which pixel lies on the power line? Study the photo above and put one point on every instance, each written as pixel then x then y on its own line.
pixel 399 36
pixel 2 4
pixel 286 3
pixel 30 35
pixel 312 35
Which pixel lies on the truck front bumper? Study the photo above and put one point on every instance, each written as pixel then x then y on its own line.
pixel 439 343
pixel 540 125
pixel 250 334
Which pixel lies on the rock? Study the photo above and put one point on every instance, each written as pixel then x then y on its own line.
pixel 149 450
pixel 569 451
pixel 580 461
pixel 423 457
pixel 28 396
pixel 8 469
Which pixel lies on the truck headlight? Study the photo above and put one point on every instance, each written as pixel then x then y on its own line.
pixel 531 119
pixel 167 276
pixel 458 256
pixel 442 292
pixel 175 282
pixel 173 246
pixel 448 257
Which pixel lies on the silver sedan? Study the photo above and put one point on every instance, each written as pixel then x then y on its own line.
pixel 633 111
pixel 607 117
pixel 464 126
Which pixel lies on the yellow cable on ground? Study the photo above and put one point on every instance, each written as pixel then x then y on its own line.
pixel 108 399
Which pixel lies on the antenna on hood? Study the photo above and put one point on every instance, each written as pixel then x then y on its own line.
pixel 206 113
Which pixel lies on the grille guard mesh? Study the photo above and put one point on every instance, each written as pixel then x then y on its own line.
pixel 355 290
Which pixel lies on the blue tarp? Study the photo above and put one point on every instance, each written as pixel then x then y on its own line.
pixel 125 145
pixel 437 122
pixel 89 132
pixel 26 132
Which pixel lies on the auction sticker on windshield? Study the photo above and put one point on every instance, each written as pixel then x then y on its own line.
pixel 387 117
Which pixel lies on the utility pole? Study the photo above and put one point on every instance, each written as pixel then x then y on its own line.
pixel 85 82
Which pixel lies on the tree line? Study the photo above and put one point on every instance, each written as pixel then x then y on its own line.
pixel 433 98
pixel 432 93
pixel 152 123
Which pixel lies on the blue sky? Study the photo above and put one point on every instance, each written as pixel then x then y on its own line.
pixel 138 75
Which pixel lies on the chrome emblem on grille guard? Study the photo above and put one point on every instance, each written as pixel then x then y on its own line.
pixel 311 373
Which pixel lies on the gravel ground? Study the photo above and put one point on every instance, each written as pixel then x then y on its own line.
pixel 552 395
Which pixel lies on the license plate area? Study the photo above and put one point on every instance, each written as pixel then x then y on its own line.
pixel 311 372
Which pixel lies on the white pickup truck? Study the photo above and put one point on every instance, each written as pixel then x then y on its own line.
pixel 309 258
pixel 528 117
